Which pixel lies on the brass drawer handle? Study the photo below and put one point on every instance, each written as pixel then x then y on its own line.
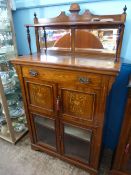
pixel 33 73
pixel 84 80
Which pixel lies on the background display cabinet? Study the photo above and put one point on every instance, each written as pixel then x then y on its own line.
pixel 65 84
pixel 12 115
pixel 7 35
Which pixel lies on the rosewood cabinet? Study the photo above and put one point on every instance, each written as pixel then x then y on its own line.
pixel 122 161
pixel 66 84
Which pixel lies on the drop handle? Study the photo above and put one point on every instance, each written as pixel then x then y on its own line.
pixel 127 148
pixel 33 73
pixel 58 103
pixel 84 80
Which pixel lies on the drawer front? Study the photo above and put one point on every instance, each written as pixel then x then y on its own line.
pixel 62 76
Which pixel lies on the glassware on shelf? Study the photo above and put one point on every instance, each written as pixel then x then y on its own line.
pixel 13 122
pixel 19 127
pixel 7 37
pixel 16 112
pixel 12 116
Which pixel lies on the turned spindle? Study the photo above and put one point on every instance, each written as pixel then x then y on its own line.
pixel 29 39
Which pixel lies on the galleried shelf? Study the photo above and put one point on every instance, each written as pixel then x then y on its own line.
pixel 66 83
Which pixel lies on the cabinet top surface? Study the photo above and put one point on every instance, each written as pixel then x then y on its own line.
pixel 66 61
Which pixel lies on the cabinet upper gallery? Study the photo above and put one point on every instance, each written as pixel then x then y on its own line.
pixel 65 84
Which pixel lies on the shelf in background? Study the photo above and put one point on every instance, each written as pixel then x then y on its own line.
pixel 18 135
pixel 5 30
pixel 6 137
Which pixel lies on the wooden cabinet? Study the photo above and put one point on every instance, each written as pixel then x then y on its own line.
pixel 66 117
pixel 65 89
pixel 122 161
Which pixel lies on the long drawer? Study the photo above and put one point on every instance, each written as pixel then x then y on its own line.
pixel 62 76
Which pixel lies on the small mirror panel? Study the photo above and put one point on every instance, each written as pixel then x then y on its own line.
pixel 56 39
pixel 99 40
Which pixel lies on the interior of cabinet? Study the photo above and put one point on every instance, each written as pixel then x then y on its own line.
pixel 45 131
pixel 77 142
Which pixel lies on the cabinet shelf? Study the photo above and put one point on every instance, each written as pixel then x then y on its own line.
pixel 76 132
pixel 5 30
pixel 46 123
pixel 2 5
pixel 17 136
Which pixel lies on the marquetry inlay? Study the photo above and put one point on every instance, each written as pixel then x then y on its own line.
pixel 41 95
pixel 78 104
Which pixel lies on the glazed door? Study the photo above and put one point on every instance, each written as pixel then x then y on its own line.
pixel 41 96
pixel 77 142
pixel 45 131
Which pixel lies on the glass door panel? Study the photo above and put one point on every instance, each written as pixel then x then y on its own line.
pixel 45 131
pixel 77 142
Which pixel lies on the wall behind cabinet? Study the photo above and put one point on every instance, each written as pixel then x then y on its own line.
pixel 117 97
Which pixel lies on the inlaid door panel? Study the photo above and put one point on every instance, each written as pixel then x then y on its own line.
pixel 41 96
pixel 80 106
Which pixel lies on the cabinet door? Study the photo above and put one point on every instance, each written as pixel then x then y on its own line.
pixel 76 142
pixel 41 96
pixel 80 106
pixel 45 130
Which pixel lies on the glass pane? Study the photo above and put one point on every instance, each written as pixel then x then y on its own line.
pixel 101 40
pixel 45 131
pixel 77 142
pixel 55 39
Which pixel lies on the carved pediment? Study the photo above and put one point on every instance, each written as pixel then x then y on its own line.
pixel 75 17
